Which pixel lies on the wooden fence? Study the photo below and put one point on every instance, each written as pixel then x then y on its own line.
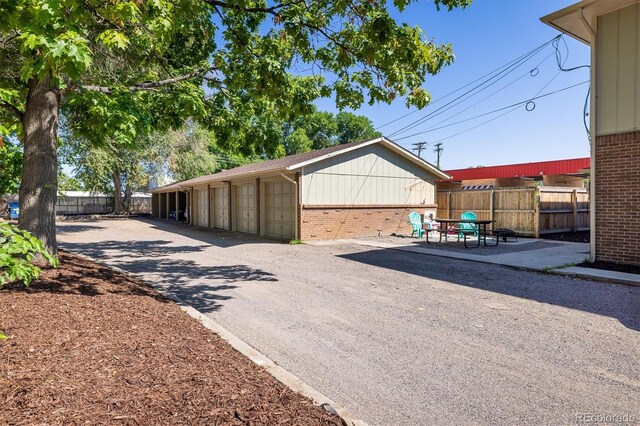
pixel 528 211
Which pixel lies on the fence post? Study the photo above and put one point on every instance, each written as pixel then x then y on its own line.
pixel 574 205
pixel 492 207
pixel 449 205
pixel 536 212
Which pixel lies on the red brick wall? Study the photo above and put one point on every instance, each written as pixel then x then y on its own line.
pixel 617 181
pixel 323 223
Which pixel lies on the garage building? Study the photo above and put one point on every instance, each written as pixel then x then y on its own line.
pixel 365 188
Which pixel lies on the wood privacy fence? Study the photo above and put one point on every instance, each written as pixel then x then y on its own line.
pixel 528 211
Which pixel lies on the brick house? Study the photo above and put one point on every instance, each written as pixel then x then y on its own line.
pixel 563 173
pixel 611 28
pixel 365 188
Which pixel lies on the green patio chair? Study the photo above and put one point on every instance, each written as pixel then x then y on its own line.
pixel 416 224
pixel 467 228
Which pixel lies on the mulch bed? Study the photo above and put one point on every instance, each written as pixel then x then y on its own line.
pixel 90 345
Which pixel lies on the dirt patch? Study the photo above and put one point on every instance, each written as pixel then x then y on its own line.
pixel 91 345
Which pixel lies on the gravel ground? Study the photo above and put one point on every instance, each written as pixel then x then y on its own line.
pixel 397 337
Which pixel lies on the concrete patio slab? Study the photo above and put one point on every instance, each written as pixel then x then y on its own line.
pixel 528 253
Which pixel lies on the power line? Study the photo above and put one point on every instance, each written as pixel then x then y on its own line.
pixel 530 72
pixel 433 129
pixel 500 109
pixel 488 82
pixel 468 84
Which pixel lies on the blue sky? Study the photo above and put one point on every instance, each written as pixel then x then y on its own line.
pixel 485 36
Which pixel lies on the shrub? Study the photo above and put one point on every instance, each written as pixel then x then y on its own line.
pixel 18 249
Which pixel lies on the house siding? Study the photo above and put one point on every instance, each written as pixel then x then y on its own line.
pixel 371 175
pixel 618 198
pixel 617 55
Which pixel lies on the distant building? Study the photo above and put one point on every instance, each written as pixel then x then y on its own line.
pixel 362 188
pixel 564 173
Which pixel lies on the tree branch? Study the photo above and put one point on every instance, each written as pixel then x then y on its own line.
pixel 148 85
pixel 273 10
pixel 270 10
pixel 14 109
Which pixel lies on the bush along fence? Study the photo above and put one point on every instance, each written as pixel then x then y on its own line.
pixel 528 211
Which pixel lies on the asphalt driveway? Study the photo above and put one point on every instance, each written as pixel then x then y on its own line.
pixel 398 337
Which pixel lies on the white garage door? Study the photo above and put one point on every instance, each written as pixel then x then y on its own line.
pixel 245 206
pixel 221 207
pixel 202 207
pixel 279 209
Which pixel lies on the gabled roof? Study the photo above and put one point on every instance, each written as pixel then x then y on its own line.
pixel 574 166
pixel 296 161
pixel 578 20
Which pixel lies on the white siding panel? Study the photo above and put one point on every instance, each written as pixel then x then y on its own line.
pixel 618 71
pixel 279 209
pixel 245 208
pixel 201 207
pixel 370 175
pixel 221 207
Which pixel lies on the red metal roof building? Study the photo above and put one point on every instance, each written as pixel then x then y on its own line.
pixel 573 166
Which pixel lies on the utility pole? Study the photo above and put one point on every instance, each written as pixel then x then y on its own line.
pixel 419 146
pixel 438 151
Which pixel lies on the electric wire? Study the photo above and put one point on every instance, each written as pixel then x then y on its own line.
pixel 473 91
pixel 514 105
pixel 530 72
pixel 466 85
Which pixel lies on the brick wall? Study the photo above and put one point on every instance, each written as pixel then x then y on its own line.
pixel 322 223
pixel 617 181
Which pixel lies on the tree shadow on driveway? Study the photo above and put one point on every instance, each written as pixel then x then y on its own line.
pixel 71 228
pixel 612 300
pixel 211 236
pixel 130 249
pixel 200 286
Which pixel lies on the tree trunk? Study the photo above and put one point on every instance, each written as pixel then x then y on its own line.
pixel 126 202
pixel 39 186
pixel 117 192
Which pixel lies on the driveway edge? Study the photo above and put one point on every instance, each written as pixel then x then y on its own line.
pixel 280 374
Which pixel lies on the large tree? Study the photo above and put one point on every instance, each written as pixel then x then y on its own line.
pixel 107 57
pixel 321 129
pixel 110 167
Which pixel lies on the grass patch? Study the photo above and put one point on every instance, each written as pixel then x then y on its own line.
pixel 295 242
pixel 548 269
